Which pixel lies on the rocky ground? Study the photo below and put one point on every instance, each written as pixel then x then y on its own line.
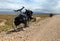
pixel 44 30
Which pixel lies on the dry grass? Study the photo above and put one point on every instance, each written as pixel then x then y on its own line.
pixel 9 18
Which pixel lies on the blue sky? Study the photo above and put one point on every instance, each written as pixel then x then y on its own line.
pixel 52 6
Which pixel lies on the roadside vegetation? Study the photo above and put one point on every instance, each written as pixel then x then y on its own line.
pixel 9 20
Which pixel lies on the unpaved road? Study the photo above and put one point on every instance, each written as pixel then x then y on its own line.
pixel 45 30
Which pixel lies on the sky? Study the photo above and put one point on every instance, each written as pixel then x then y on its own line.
pixel 50 6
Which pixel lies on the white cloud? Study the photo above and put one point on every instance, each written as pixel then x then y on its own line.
pixel 50 5
pixel 18 3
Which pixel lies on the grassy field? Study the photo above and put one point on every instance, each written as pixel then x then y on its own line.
pixel 10 17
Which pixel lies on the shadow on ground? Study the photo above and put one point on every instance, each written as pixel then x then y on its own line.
pixel 17 30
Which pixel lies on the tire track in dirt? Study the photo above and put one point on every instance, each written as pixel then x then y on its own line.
pixel 49 31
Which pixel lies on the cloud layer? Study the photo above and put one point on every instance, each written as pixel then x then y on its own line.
pixel 52 6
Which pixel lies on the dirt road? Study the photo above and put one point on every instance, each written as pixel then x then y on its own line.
pixel 45 30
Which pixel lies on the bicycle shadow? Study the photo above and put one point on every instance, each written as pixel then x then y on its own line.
pixel 16 30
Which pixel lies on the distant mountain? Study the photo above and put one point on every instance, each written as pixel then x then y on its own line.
pixel 41 11
pixel 44 11
pixel 7 12
pixel 36 11
pixel 12 12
